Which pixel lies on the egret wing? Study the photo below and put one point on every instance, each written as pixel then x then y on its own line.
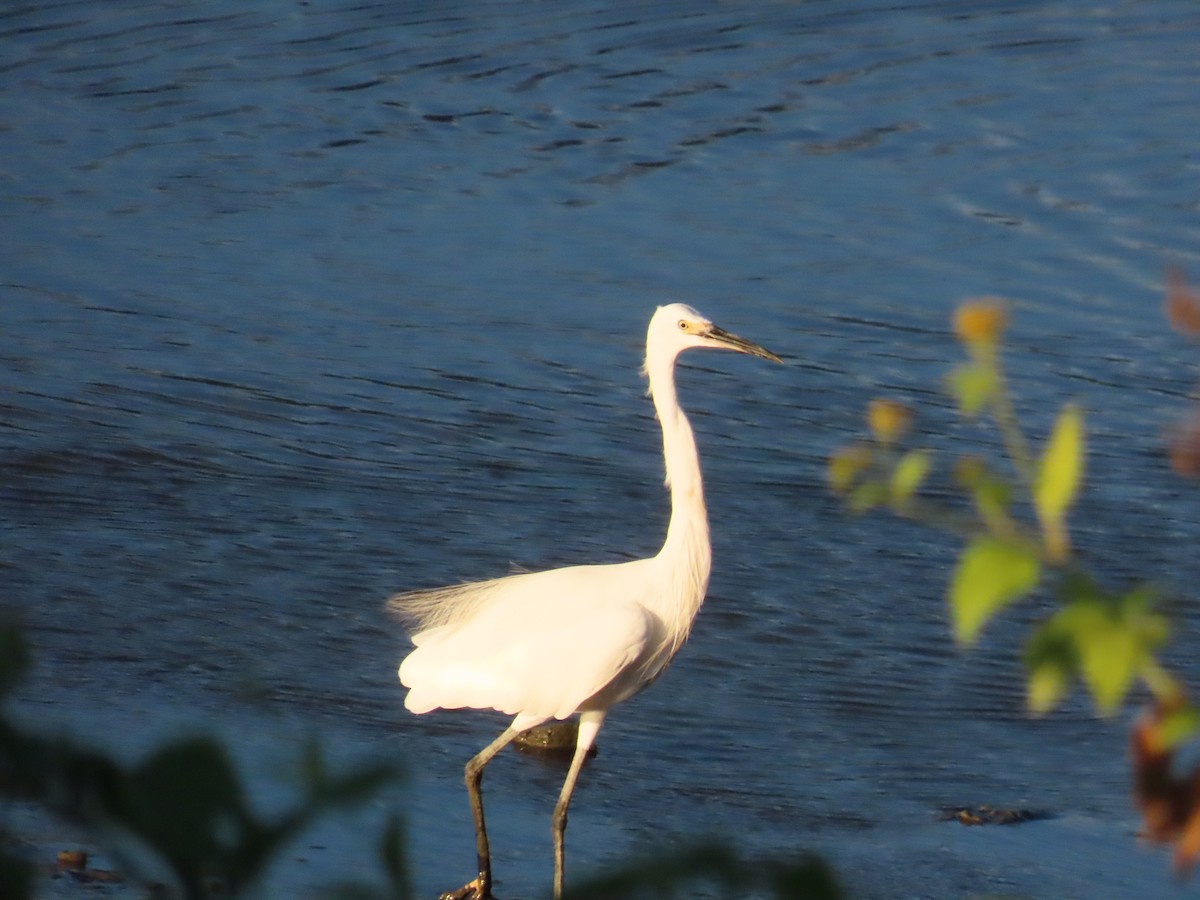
pixel 535 652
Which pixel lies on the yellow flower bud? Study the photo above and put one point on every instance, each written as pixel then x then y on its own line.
pixel 846 465
pixel 888 420
pixel 980 321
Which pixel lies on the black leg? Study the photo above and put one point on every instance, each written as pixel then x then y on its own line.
pixel 480 888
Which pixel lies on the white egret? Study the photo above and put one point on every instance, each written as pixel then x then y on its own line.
pixel 550 644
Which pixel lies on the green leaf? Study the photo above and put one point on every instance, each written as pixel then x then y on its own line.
pixel 973 385
pixel 1060 471
pixel 1179 725
pixel 1048 683
pixel 1052 658
pixel 1106 641
pixel 867 496
pixel 17 875
pixel 1061 465
pixel 395 863
pixel 992 498
pixel 187 803
pixel 1116 652
pixel 908 475
pixel 14 656
pixel 991 573
pixel 1109 658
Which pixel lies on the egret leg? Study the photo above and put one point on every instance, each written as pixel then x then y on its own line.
pixel 589 724
pixel 480 888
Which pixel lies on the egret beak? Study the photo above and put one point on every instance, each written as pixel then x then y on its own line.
pixel 722 338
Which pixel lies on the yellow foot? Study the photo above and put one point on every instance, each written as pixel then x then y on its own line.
pixel 476 889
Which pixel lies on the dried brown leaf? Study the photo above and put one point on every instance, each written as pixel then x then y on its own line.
pixel 1183 446
pixel 1169 802
pixel 1182 304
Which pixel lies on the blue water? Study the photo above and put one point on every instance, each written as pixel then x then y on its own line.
pixel 302 304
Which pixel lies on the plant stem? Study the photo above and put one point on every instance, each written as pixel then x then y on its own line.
pixel 1011 435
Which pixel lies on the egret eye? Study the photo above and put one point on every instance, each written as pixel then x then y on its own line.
pixel 685 325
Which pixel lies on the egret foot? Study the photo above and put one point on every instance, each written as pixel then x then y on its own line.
pixel 477 888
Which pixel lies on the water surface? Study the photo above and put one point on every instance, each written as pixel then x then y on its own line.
pixel 304 304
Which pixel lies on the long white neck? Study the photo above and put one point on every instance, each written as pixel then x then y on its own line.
pixel 687 549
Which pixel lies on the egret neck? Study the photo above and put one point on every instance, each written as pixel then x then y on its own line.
pixel 686 551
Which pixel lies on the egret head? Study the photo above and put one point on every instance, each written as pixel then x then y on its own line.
pixel 677 327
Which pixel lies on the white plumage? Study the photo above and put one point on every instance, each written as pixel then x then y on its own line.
pixel 592 623
pixel 543 645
